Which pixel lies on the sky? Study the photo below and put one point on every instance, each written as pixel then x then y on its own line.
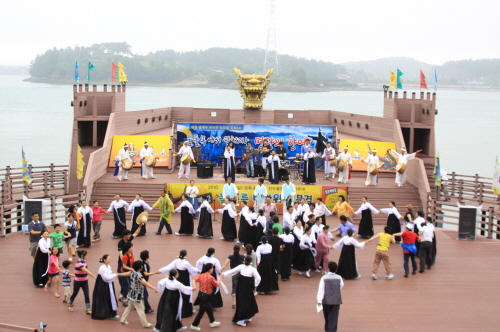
pixel 338 31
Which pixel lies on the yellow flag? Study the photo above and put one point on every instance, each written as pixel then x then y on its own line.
pixel 392 80
pixel 122 77
pixel 79 163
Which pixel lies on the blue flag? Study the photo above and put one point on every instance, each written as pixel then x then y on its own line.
pixel 77 72
pixel 26 172
pixel 435 80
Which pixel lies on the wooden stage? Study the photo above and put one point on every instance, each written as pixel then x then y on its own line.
pixel 460 293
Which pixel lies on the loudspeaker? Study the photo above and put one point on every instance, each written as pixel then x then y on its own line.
pixel 205 170
pixel 467 223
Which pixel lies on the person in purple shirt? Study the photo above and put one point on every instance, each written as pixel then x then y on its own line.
pixel 344 227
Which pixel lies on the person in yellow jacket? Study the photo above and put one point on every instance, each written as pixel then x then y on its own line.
pixel 343 208
pixel 166 209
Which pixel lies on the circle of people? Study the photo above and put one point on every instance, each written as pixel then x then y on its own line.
pixel 270 249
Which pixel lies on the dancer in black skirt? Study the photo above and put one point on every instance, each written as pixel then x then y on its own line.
pixel 201 265
pixel 41 261
pixel 118 207
pixel 229 162
pixel 250 233
pixel 266 268
pixel 309 176
pixel 274 164
pixel 205 222
pixel 228 227
pixel 187 211
pixel 365 229
pixel 298 232
pixel 243 223
pixel 84 238
pixel 286 254
pixel 249 279
pixel 137 207
pixel 348 268
pixel 393 220
pixel 168 316
pixel 306 264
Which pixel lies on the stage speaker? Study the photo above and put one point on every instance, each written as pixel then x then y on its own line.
pixel 205 170
pixel 467 223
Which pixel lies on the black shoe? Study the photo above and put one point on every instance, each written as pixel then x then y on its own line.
pixel 414 272
pixel 428 267
pixel 157 233
pixel 150 311
pixel 421 271
pixel 406 275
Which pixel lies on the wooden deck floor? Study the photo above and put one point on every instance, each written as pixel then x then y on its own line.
pixel 459 294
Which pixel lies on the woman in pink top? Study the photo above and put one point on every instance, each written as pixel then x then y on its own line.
pixel 81 281
pixel 54 270
pixel 97 220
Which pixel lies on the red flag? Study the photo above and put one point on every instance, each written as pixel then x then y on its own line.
pixel 423 85
pixel 113 71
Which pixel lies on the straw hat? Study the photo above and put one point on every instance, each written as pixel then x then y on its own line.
pixel 142 218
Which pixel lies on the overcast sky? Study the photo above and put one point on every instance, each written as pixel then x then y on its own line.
pixel 339 31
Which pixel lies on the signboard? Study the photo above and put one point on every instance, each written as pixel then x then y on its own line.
pixel 209 140
pixel 359 152
pixel 329 194
pixel 159 143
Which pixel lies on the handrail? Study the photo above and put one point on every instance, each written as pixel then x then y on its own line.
pixel 40 328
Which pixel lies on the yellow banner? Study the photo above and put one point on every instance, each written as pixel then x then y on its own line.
pixel 159 143
pixel 329 194
pixel 359 152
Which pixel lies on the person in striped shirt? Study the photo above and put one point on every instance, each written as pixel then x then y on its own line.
pixel 81 281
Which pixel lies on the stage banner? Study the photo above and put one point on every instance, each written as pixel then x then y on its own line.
pixel 159 143
pixel 209 140
pixel 359 152
pixel 329 194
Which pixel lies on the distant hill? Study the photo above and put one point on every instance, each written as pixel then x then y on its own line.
pixel 14 70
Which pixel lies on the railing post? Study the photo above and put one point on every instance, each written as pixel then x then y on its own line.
pixel 52 175
pixel 481 193
pixel 26 188
pixel 65 181
pixel 53 207
pixel 476 178
pixel 433 209
pixel 45 185
pixel 490 222
pixel 460 190
pixel 453 184
pixel 7 171
pixel 2 231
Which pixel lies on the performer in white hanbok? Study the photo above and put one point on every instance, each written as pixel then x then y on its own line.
pixel 309 175
pixel 371 180
pixel 403 159
pixel 137 206
pixel 118 207
pixel 186 271
pixel 229 162
pixel 123 154
pixel 216 298
pixel 205 222
pixel 347 159
pixel 393 219
pixel 187 211
pixel 146 151
pixel 260 194
pixel 228 226
pixel 288 192
pixel 329 155
pixel 274 163
pixel 366 222
pixel 185 169
pixel 348 268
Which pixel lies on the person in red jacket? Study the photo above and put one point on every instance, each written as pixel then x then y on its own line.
pixel 409 248
pixel 97 220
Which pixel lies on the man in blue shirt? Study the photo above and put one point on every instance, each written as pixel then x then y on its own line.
pixel 344 227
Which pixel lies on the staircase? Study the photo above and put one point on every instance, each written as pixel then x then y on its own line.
pixel 381 195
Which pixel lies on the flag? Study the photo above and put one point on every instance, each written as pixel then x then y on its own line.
pixel 122 77
pixel 26 172
pixel 423 84
pixel 435 80
pixel 399 85
pixel 90 68
pixel 77 72
pixel 392 80
pixel 437 172
pixel 79 163
pixel 114 70
pixel 496 179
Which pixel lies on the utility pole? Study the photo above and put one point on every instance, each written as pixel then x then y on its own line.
pixel 271 59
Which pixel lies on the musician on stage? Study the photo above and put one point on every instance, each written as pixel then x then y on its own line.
pixel 309 176
pixel 229 190
pixel 185 149
pixel 248 153
pixel 274 168
pixel 304 148
pixel 347 159
pixel 146 151
pixel 265 149
pixel 403 159
pixel 288 192
pixel 123 155
pixel 329 155
pixel 281 151
pixel 192 194
pixel 371 180
pixel 260 194
pixel 229 161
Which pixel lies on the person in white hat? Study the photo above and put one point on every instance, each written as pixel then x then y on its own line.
pixel 346 158
pixel 146 151
pixel 371 180
pixel 403 159
pixel 184 170
pixel 123 154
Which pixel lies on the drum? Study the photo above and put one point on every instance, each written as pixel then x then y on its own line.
pixel 401 168
pixel 285 163
pixel 299 157
pixel 284 172
pixel 186 159
pixel 333 163
pixel 373 169
pixel 341 166
pixel 142 218
pixel 150 161
pixel 127 164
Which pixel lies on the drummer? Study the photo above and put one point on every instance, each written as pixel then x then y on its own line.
pixel 146 151
pixel 372 161
pixel 281 151
pixel 329 155
pixel 265 149
pixel 185 150
pixel 403 159
pixel 124 154
pixel 347 159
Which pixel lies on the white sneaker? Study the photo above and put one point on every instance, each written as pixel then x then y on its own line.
pixel 374 277
pixel 358 276
pixel 153 177
pixel 119 179
pixel 308 275
pixel 177 233
pixel 390 276
pixel 187 177
pixel 155 329
pixel 300 272
pixel 182 328
pixel 180 176
pixel 195 328
pixel 214 324
pixel 241 323
pixel 317 271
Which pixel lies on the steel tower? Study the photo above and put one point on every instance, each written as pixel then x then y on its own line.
pixel 271 59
